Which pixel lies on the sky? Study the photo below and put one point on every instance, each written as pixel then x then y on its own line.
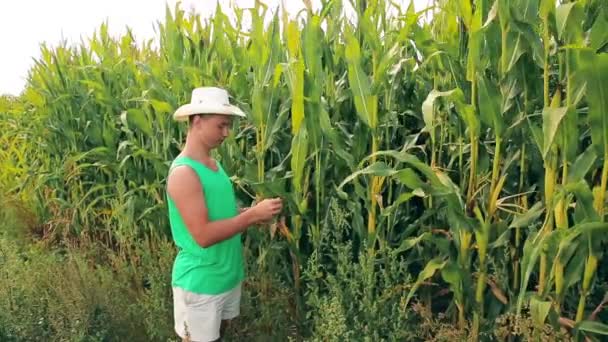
pixel 25 24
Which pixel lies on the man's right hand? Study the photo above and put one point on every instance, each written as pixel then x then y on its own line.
pixel 266 209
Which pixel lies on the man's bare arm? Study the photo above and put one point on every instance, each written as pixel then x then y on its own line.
pixel 185 190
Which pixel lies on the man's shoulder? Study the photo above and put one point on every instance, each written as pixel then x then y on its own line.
pixel 182 177
pixel 181 170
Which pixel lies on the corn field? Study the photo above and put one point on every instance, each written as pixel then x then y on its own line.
pixel 467 153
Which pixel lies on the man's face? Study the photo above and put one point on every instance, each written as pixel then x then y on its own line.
pixel 212 129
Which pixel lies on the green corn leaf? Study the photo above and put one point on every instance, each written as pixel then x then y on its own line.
pixel 409 178
pixel 489 105
pixel 526 219
pixel 474 55
pixel 403 197
pixel 412 160
pixel 575 268
pixel 408 244
pixel 376 169
pixel 429 270
pixel 582 165
pixel 515 49
pixel 504 12
pixel 299 154
pixel 297 104
pixel 539 310
pixel 569 17
pixel 457 97
pixel 492 15
pixel 312 45
pixel 592 327
pixel 110 134
pixel 137 118
pixel 596 69
pixel 537 135
pixel 296 76
pixel 552 119
pixel 532 249
pixel 161 107
pixel 532 40
pixel 453 274
pixel 584 211
pixel 598 36
pixel 525 9
pixel 366 103
pixel 567 135
pixel 466 12
pixel 546 7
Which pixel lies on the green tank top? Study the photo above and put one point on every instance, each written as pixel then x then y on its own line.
pixel 218 268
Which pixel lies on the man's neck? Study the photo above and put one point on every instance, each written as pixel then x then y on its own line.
pixel 196 151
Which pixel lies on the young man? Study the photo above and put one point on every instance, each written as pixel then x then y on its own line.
pixel 206 224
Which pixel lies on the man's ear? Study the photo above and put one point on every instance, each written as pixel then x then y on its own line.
pixel 191 121
pixel 193 118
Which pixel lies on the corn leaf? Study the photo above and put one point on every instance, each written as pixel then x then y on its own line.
pixel 532 249
pixel 457 97
pixel 596 69
pixel 489 105
pixel 409 178
pixel 584 211
pixel 532 41
pixel 296 73
pixel 136 118
pixel 552 119
pixel 429 270
pixel 582 165
pixel 366 103
pixel 592 327
pixel 575 267
pixel 473 57
pixel 539 310
pixel 454 275
pixel 569 17
pixel 598 37
pixel 408 244
pixel 526 219
pixel 299 154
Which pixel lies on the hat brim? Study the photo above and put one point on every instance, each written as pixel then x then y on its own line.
pixel 183 112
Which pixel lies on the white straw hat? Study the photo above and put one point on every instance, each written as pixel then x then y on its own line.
pixel 207 100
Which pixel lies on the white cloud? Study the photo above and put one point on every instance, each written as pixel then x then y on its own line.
pixel 25 24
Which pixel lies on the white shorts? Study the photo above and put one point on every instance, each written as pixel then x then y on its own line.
pixel 199 316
